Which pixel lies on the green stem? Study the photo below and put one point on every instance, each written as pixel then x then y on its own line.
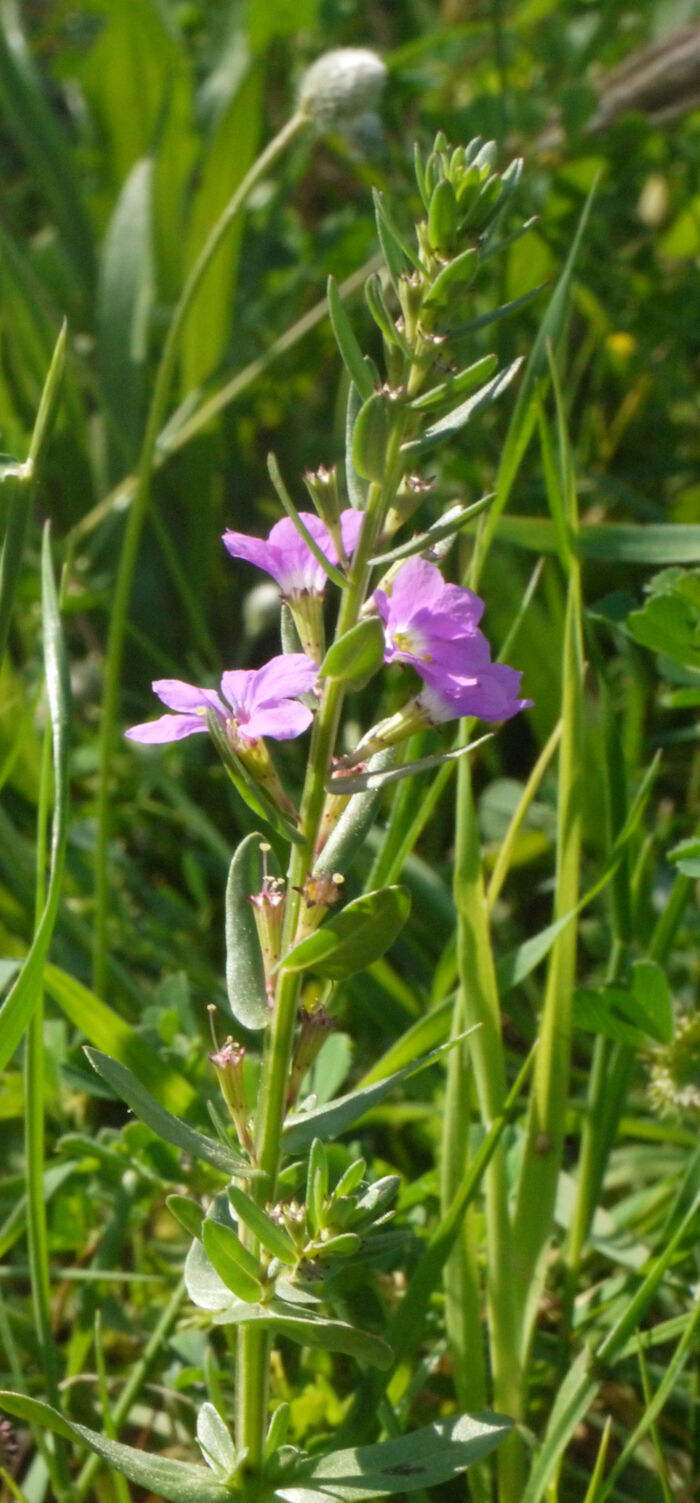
pixel 35 1148
pixel 547 1112
pixel 253 1350
pixel 134 526
pixel 479 1003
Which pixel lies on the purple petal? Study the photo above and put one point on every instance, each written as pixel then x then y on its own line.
pixel 457 606
pixel 281 721
pixel 296 567
pixel 283 678
pixel 168 728
pixel 236 687
pixel 457 657
pixel 351 523
pixel 418 584
pixel 491 694
pixel 185 697
pixel 253 550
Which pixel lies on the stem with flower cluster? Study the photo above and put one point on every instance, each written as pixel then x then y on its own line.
pixel 253 1345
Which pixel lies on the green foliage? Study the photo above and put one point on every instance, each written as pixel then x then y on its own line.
pixel 127 130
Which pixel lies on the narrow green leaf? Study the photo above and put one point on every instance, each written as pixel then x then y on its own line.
pixel 15 1223
pixel 455 277
pixel 371 436
pixel 524 414
pixel 187 1212
pixel 231 1260
pixel 354 658
pixel 633 1014
pixel 317 1185
pixel 269 1234
pixel 310 1330
pixel 351 354
pixel 583 1380
pixel 423 1458
pixel 618 542
pixel 495 315
pixel 398 254
pixel 18 483
pixel 336 1116
pixel 653 1406
pixel 449 524
pixel 278 1429
pixel 362 781
pixel 351 940
pixel 356 489
pixel 377 304
pixel 245 976
pixel 430 1030
pixel 19 1005
pixel 407 1324
pixel 176 1481
pixel 455 386
pixel 163 1123
pixel 496 247
pixel 461 415
pixel 514 967
pixel 125 296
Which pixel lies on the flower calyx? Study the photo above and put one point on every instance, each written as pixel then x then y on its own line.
pixel 319 892
pixel 228 1064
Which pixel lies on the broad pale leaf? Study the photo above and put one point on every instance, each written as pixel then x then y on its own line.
pixel 245 976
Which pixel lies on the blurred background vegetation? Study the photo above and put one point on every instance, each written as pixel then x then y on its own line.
pixel 127 124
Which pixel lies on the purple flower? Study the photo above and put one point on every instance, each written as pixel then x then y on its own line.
pixel 430 624
pixel 253 703
pixel 488 692
pixel 286 556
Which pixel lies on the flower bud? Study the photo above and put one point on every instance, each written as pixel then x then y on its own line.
pixel 316 1024
pixel 257 760
pixel 319 892
pixel 228 1063
pixel 342 84
pixel 413 717
pixel 322 485
pixel 268 910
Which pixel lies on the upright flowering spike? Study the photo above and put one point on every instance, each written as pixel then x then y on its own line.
pixel 291 563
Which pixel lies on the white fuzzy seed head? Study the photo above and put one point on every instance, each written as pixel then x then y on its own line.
pixel 341 85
